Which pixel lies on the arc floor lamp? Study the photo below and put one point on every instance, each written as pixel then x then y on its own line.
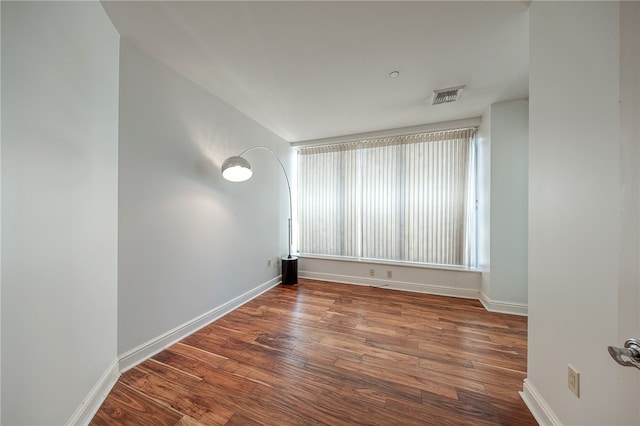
pixel 238 169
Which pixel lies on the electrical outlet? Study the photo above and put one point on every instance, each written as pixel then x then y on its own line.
pixel 573 380
pixel 372 273
pixel 389 274
pixel 269 262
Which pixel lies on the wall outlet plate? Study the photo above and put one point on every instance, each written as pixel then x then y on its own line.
pixel 573 380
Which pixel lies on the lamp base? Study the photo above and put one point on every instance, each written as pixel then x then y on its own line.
pixel 290 270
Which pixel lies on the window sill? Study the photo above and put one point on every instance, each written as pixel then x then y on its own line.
pixel 390 262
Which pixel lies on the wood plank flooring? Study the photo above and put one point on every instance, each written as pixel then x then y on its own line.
pixel 335 354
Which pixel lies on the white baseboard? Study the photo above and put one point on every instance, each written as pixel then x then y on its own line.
pixel 148 349
pixel 538 407
pixel 504 307
pixel 395 285
pixel 96 396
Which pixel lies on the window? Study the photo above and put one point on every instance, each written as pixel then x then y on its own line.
pixel 406 198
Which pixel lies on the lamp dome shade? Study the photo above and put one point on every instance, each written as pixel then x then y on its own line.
pixel 236 169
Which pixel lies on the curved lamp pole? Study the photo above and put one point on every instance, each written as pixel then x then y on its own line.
pixel 238 169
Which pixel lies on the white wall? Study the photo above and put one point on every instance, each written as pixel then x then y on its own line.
pixel 483 194
pixel 509 195
pixel 0 217
pixel 502 188
pixel 577 211
pixel 629 286
pixel 59 207
pixel 189 241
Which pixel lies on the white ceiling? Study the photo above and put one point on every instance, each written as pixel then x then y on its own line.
pixel 309 70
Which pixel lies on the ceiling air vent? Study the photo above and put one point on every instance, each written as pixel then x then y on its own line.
pixel 443 96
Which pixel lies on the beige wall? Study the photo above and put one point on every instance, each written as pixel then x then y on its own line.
pixel 583 211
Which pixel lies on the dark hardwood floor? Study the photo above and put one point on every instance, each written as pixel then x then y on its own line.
pixel 335 354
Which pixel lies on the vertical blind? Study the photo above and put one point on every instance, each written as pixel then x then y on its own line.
pixel 403 198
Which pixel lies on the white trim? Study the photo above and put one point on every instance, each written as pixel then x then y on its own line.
pixel 95 398
pixel 148 349
pixel 395 285
pixel 504 307
pixel 538 407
